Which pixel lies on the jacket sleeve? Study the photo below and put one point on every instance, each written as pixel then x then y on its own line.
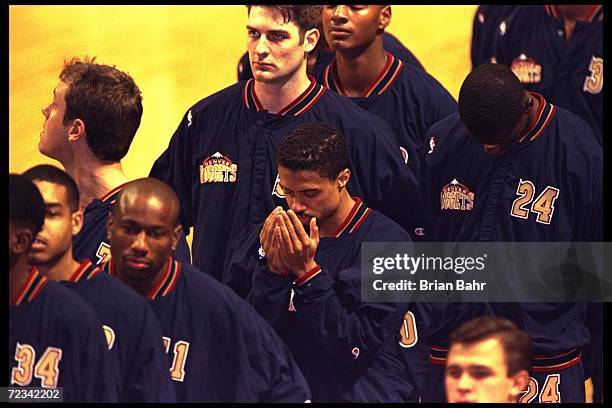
pixel 175 167
pixel 387 182
pixel 96 377
pixel 351 330
pixel 270 293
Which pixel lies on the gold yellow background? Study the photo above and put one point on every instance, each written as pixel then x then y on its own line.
pixel 177 55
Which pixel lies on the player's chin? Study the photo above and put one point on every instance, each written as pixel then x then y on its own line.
pixel 37 258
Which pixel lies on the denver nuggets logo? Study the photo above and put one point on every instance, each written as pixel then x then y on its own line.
pixel 456 196
pixel 218 169
pixel 526 69
pixel 277 190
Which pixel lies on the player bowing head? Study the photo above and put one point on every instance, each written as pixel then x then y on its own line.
pixel 488 361
pixel 495 109
pixel 313 168
pixel 280 39
pixel 143 229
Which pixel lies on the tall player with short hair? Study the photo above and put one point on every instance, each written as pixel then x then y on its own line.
pixel 532 172
pixel 407 98
pixel 219 348
pixel 132 332
pixel 55 338
pixel 221 159
pixel 308 286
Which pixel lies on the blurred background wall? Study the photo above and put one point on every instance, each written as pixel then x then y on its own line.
pixel 177 55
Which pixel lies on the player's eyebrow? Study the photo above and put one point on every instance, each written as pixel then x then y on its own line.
pixel 52 204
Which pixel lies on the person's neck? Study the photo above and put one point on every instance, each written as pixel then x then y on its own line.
pixel 61 269
pixel 277 95
pixel 331 225
pixel 95 178
pixel 358 70
pixel 532 117
pixel 18 275
pixel 571 16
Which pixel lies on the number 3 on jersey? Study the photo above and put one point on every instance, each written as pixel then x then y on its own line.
pixel 46 369
pixel 543 206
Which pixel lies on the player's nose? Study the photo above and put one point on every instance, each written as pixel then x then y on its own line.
pixel 140 242
pixel 339 14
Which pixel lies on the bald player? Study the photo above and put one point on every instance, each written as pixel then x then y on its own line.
pixel 132 332
pixel 219 348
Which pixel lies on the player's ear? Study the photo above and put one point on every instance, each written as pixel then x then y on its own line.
pixel 77 130
pixel 343 178
pixel 77 222
pixel 520 380
pixel 176 233
pixel 311 38
pixel 109 226
pixel 21 240
pixel 385 17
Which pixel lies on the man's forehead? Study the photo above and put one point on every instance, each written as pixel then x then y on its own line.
pixel 270 18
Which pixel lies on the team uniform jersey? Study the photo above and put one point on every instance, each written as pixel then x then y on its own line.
pixel 324 58
pixel 407 98
pixel 132 333
pixel 489 23
pixel 473 196
pixel 346 348
pixel 222 163
pixel 92 241
pixel 56 340
pixel 568 74
pixel 219 348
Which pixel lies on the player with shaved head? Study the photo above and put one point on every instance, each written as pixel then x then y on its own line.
pixel 132 332
pixel 219 348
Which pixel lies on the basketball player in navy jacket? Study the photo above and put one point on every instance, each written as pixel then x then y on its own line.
pixel 309 284
pixel 557 51
pixel 407 98
pixel 132 332
pixel 219 348
pixel 89 127
pixel 55 338
pixel 221 159
pixel 513 167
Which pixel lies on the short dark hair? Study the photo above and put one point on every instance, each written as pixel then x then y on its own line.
pixel 306 17
pixel 314 147
pixel 108 101
pixel 491 102
pixel 516 343
pixel 26 205
pixel 52 174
